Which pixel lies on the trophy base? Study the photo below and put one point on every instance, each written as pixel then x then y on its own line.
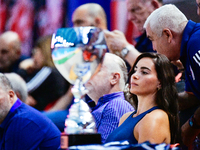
pixel 79 139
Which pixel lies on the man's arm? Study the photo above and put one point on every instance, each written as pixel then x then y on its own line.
pixel 116 42
pixel 187 100
pixel 189 132
pixel 64 101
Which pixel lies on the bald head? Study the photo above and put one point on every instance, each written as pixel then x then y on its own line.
pixel 10 37
pixel 10 49
pixel 90 14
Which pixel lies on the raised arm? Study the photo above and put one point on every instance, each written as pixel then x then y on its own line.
pixel 187 100
pixel 116 42
pixel 64 101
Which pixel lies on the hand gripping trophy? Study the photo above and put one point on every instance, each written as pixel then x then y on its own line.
pixel 77 52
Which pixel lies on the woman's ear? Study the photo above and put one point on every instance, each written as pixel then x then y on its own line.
pixel 168 34
pixel 115 78
pixel 159 86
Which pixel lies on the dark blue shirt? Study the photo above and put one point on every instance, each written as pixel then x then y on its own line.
pixel 190 57
pixel 144 44
pixel 25 128
pixel 108 112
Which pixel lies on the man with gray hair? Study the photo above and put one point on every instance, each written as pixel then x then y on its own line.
pixel 19 85
pixel 106 90
pixel 21 126
pixel 177 38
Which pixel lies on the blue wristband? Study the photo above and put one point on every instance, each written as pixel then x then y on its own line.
pixel 193 124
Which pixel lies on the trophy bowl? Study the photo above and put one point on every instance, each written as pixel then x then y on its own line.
pixel 77 52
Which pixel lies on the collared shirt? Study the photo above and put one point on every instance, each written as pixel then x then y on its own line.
pixel 25 128
pixel 108 112
pixel 190 57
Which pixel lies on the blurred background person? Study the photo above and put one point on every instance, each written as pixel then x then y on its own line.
pixel 10 52
pixel 89 14
pixel 44 83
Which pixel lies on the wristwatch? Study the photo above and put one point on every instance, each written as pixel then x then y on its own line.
pixel 192 123
pixel 126 50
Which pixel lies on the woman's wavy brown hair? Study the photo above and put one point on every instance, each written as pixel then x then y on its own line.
pixel 167 96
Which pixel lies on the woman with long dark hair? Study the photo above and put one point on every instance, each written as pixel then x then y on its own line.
pixel 152 86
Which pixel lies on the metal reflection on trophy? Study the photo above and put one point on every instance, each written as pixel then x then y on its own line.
pixel 76 53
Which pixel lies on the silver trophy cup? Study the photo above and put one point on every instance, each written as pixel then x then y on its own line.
pixel 76 53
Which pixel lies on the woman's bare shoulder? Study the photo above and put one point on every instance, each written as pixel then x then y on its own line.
pixel 154 127
pixel 156 119
pixel 157 114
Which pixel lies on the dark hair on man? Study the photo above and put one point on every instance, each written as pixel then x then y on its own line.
pixel 167 96
pixel 5 83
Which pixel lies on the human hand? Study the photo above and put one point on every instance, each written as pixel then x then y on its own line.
pixel 178 64
pixel 26 64
pixel 187 100
pixel 178 77
pixel 188 135
pixel 31 101
pixel 115 40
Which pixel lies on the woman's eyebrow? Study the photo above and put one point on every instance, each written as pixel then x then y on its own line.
pixel 146 68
